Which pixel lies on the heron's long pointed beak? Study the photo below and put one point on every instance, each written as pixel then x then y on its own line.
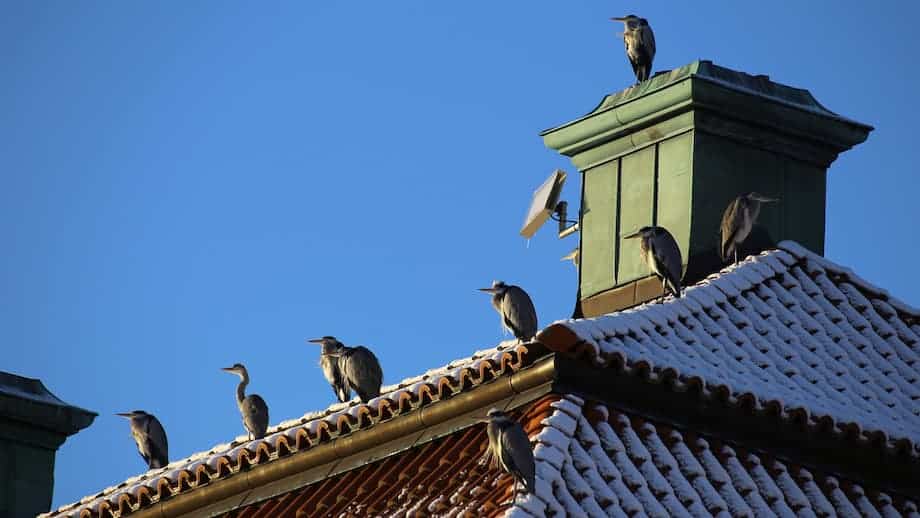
pixel 633 235
pixel 764 199
pixel 316 341
pixel 618 19
pixel 125 414
pixel 227 369
pixel 487 290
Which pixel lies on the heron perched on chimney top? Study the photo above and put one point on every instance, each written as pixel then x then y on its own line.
pixel 737 222
pixel 150 437
pixel 516 309
pixel 640 44
pixel 660 252
pixel 252 407
pixel 347 368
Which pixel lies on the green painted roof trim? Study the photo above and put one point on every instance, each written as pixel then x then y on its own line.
pixel 703 85
pixel 27 400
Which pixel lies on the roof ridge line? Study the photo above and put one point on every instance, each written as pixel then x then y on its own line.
pixel 803 253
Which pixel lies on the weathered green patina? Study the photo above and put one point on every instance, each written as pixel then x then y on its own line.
pixel 675 150
pixel 33 424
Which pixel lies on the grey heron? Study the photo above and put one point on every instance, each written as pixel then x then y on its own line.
pixel 640 44
pixel 347 368
pixel 516 309
pixel 150 437
pixel 737 221
pixel 660 252
pixel 252 407
pixel 510 447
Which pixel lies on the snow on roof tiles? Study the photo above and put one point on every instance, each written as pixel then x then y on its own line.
pixel 595 461
pixel 786 328
pixel 301 434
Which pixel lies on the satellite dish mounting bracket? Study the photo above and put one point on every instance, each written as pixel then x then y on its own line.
pixel 566 226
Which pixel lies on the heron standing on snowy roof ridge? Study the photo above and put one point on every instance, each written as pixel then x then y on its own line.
pixel 252 407
pixel 347 368
pixel 150 437
pixel 510 447
pixel 660 252
pixel 516 309
pixel 737 221
pixel 640 45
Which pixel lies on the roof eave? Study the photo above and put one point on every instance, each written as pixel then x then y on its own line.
pixel 351 451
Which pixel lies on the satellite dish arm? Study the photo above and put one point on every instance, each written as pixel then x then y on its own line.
pixel 566 226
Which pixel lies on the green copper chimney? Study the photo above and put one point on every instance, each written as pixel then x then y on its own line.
pixel 33 425
pixel 674 150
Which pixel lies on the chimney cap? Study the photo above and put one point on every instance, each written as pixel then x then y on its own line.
pixel 703 85
pixel 28 400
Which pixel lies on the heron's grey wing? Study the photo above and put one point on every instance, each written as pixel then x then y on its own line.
pixel 333 375
pixel 255 415
pixel 518 313
pixel 731 224
pixel 667 255
pixel 158 446
pixel 517 455
pixel 362 370
pixel 647 41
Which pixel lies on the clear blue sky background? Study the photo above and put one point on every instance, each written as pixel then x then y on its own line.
pixel 186 185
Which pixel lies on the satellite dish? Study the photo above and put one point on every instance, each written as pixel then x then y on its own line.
pixel 543 203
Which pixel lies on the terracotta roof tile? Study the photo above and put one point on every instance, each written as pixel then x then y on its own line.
pixel 786 332
pixel 299 435
pixel 445 477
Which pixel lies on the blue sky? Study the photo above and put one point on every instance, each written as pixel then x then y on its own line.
pixel 186 185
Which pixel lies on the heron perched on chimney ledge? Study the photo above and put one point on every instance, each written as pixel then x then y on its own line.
pixel 662 255
pixel 737 221
pixel 640 45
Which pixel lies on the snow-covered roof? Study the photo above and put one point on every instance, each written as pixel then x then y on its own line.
pixel 786 329
pixel 594 461
pixel 300 435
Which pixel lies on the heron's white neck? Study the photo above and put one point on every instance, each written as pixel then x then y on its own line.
pixel 241 388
